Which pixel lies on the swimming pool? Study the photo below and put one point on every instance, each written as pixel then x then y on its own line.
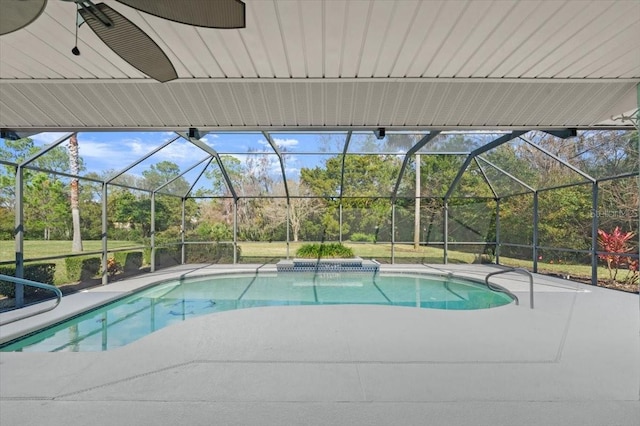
pixel 142 313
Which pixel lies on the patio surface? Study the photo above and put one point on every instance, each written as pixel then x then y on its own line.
pixel 573 360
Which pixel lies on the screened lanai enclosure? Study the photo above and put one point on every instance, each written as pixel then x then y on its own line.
pixel 558 202
pixel 366 123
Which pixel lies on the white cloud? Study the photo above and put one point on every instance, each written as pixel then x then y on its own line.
pixel 95 149
pixel 136 147
pixel 208 136
pixel 292 172
pixel 280 143
pixel 286 142
pixel 180 151
pixel 47 138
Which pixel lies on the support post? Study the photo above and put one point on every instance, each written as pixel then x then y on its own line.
pixel 153 232
pixel 288 227
pixel 393 233
pixel 340 221
pixel 183 224
pixel 235 231
pixel 497 246
pixel 19 235
pixel 594 233
pixel 445 232
pixel 105 260
pixel 416 218
pixel 535 232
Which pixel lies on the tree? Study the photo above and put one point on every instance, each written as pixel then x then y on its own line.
pixel 368 183
pixel 252 179
pixel 46 204
pixel 168 207
pixel 46 208
pixel 301 206
pixel 17 151
pixel 76 245
pixel 134 212
pixel 161 173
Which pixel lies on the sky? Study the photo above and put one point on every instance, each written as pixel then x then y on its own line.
pixel 103 151
pixel 114 151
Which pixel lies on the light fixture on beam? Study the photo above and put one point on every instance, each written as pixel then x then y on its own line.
pixel 12 135
pixel 194 133
pixel 563 133
pixel 380 132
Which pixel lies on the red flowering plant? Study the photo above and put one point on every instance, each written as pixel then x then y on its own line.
pixel 113 267
pixel 616 245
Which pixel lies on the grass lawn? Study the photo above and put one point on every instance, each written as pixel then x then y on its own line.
pixel 270 252
pixel 380 251
pixel 406 253
pixel 39 248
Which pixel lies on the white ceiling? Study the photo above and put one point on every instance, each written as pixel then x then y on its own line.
pixel 302 64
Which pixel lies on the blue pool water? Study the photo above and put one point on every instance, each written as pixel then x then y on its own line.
pixel 131 318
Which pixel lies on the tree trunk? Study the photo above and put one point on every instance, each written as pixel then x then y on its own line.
pixel 76 246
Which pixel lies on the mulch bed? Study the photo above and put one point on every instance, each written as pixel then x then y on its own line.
pixel 629 288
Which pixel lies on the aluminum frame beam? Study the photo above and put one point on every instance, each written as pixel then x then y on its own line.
pixel 206 148
pixel 486 178
pixel 46 149
pixel 281 160
pixel 507 174
pixel 198 178
pixel 344 156
pixel 563 133
pixel 487 147
pixel 422 142
pixel 68 175
pixel 139 160
pixel 187 170
pixel 558 159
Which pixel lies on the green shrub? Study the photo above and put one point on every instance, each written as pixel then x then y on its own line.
pixel 130 260
pixel 124 234
pixel 360 237
pixel 167 256
pixel 169 235
pixel 39 272
pixel 324 251
pixel 146 256
pixel 82 268
pixel 212 232
pixel 211 253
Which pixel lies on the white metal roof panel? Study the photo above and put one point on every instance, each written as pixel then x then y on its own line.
pixel 314 63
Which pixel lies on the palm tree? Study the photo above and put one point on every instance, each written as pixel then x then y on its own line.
pixel 76 246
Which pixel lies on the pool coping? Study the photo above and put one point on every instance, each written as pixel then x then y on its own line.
pixel 573 360
pixel 86 300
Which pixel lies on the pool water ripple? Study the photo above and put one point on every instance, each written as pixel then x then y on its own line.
pixel 133 317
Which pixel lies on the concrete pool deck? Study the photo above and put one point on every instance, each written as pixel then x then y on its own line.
pixel 573 360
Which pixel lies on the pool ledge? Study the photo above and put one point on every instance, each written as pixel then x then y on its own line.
pixel 83 301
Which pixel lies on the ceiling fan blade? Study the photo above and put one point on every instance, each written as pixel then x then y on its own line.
pixel 200 13
pixel 16 14
pixel 132 44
